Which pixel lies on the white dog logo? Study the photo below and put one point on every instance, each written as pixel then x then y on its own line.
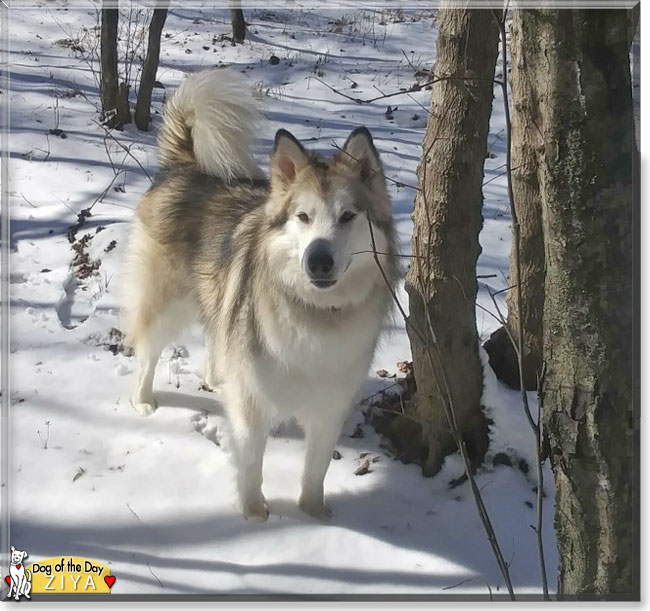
pixel 20 581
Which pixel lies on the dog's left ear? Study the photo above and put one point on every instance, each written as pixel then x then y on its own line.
pixel 360 148
pixel 361 157
pixel 25 554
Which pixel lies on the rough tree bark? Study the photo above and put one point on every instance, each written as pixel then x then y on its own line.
pixel 150 66
pixel 527 148
pixel 115 95
pixel 238 23
pixel 578 64
pixel 447 223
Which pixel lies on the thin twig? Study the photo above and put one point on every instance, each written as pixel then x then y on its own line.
pixel 516 236
pixel 125 148
pixel 412 89
pixel 397 182
pixel 439 372
pixel 156 576
pixel 384 254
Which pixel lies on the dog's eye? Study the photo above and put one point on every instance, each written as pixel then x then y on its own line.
pixel 347 216
pixel 303 217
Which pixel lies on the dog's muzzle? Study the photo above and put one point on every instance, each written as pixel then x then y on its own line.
pixel 318 264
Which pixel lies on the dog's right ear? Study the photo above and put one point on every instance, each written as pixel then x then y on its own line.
pixel 288 158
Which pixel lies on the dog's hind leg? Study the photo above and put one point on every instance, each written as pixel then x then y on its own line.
pixel 211 375
pixel 249 430
pixel 148 347
pixel 153 310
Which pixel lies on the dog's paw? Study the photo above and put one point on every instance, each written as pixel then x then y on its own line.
pixel 316 508
pixel 212 382
pixel 144 406
pixel 255 510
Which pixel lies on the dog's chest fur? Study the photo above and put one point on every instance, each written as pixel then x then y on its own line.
pixel 305 354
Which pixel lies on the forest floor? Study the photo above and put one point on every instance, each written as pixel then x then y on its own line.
pixel 153 497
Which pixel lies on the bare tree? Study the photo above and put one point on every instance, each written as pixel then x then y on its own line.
pixel 578 69
pixel 238 23
pixel 150 67
pixel 441 282
pixel 115 95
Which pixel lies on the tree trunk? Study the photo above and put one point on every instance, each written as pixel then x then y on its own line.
pixel 634 15
pixel 109 78
pixel 527 148
pixel 115 95
pixel 238 24
pixel 441 282
pixel 578 65
pixel 150 67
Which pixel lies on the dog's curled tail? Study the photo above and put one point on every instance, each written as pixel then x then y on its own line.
pixel 210 120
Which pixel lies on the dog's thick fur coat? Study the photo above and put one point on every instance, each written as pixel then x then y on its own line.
pixel 280 272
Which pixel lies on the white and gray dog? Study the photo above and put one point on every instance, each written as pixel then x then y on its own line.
pixel 280 271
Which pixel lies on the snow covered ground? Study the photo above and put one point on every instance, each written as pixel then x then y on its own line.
pixel 152 497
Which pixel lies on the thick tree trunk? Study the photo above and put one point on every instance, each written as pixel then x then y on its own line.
pixel 527 148
pixel 579 66
pixel 115 95
pixel 150 67
pixel 634 15
pixel 448 219
pixel 238 24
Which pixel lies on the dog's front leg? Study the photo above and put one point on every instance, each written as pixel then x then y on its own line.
pixel 19 587
pixel 249 431
pixel 321 439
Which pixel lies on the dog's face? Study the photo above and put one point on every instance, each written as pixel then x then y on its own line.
pixel 319 210
pixel 17 556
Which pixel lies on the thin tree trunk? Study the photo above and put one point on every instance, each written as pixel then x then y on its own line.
pixel 115 95
pixel 109 77
pixel 447 224
pixel 150 67
pixel 527 148
pixel 238 23
pixel 580 70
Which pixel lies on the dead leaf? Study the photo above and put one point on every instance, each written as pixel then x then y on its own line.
pixel 404 366
pixel 364 468
pixel 358 433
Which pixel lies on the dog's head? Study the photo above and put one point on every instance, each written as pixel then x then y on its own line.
pixel 17 556
pixel 319 212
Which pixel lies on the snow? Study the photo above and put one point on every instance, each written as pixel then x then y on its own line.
pixel 153 496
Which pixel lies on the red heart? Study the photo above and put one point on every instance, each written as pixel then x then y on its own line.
pixel 18 566
pixel 110 580
pixel 8 579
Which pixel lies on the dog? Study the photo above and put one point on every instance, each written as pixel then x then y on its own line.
pixel 20 577
pixel 280 271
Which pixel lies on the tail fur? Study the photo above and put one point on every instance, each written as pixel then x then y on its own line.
pixel 210 120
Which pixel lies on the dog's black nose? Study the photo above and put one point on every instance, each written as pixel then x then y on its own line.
pixel 320 264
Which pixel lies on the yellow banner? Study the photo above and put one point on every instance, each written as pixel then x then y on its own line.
pixel 70 575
